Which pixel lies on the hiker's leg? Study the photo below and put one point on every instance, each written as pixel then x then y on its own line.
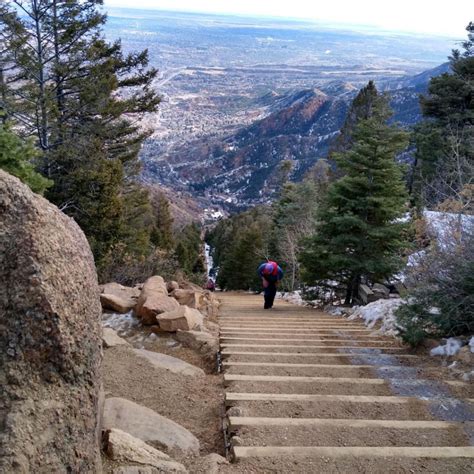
pixel 267 298
pixel 271 294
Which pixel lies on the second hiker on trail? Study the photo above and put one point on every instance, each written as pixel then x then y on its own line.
pixel 270 273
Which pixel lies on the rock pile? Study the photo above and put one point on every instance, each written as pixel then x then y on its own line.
pixel 167 307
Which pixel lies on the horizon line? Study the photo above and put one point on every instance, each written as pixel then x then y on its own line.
pixel 328 23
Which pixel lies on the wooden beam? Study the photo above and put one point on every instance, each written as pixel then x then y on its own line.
pixel 231 397
pixel 239 421
pixel 231 352
pixel 294 346
pixel 299 379
pixel 438 452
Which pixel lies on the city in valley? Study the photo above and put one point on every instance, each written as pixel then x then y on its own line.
pixel 240 95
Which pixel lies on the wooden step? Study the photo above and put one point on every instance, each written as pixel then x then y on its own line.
pixel 275 330
pixel 313 346
pixel 296 365
pixel 313 339
pixel 300 379
pixel 295 339
pixel 306 379
pixel 232 397
pixel 241 421
pixel 231 352
pixel 439 452
pixel 288 326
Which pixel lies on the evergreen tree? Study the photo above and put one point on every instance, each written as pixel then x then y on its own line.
pixel 444 158
pixel 239 245
pixel 294 218
pixel 362 108
pixel 357 236
pixel 162 231
pixel 17 157
pixel 77 93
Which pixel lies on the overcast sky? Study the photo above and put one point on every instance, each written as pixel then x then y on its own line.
pixel 440 17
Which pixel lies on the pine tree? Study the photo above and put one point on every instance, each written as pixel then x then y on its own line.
pixel 77 93
pixel 357 237
pixel 362 108
pixel 17 157
pixel 162 232
pixel 444 158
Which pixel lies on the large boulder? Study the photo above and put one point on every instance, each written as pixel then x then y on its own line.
pixel 154 305
pixel 118 298
pixel 147 425
pixel 120 290
pixel 173 364
pixel 183 318
pixel 123 447
pixel 50 320
pixel 116 303
pixel 193 299
pixel 154 300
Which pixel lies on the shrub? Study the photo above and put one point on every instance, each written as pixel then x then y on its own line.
pixel 440 300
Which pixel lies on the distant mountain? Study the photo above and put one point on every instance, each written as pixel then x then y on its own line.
pixel 242 169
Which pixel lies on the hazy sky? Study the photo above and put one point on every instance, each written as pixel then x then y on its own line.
pixel 441 17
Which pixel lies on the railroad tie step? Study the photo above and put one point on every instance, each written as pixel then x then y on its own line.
pixel 231 352
pixel 228 378
pixel 242 421
pixel 438 452
pixel 232 397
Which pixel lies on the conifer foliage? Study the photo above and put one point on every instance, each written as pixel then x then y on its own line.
pixel 79 97
pixel 444 158
pixel 357 237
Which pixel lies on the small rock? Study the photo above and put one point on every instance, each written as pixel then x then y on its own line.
pixel 210 463
pixel 123 447
pixel 465 356
pixel 235 411
pixel 237 441
pixel 111 339
pixel 141 470
pixel 173 364
pixel 172 285
pixel 381 290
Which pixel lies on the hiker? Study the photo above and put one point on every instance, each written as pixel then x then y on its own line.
pixel 270 273
pixel 211 286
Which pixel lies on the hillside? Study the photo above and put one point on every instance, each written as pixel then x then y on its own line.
pixel 242 168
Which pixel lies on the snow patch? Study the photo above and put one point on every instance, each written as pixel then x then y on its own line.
pixel 121 323
pixel 380 310
pixel 471 344
pixel 451 348
pixel 293 297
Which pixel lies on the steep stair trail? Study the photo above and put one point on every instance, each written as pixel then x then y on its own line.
pixel 309 392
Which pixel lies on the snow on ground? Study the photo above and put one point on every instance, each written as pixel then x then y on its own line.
pixel 293 297
pixel 442 224
pixel 451 348
pixel 379 311
pixel 471 344
pixel 121 323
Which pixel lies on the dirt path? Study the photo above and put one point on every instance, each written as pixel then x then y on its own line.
pixel 309 392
